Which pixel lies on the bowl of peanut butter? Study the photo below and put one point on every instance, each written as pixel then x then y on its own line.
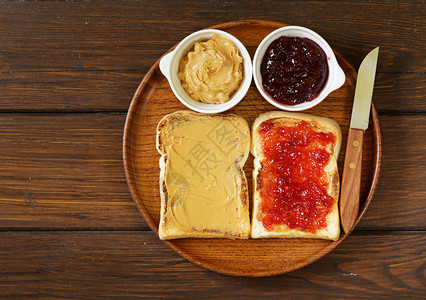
pixel 209 71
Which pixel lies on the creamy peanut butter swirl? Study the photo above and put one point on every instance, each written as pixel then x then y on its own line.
pixel 204 176
pixel 212 71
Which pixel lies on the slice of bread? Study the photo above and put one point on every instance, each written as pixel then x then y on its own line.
pixel 203 187
pixel 277 218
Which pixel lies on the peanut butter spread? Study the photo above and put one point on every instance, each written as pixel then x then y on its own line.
pixel 212 71
pixel 206 187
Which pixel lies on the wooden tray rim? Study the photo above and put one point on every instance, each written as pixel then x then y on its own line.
pixel 132 111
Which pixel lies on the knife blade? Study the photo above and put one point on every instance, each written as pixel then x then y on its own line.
pixel 351 178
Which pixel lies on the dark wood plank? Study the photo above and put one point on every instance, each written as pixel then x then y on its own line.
pixel 401 190
pixel 90 91
pixel 399 93
pixel 127 35
pixel 67 54
pixel 65 172
pixel 129 264
pixel 69 90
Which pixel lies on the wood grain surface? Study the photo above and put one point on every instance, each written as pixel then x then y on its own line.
pixel 90 264
pixel 111 46
pixel 84 91
pixel 82 171
pixel 68 71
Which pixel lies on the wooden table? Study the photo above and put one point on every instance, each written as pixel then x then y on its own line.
pixel 69 227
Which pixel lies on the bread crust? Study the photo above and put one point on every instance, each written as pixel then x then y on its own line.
pixel 332 231
pixel 167 231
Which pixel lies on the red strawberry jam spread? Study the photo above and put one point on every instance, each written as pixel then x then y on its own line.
pixel 292 180
pixel 294 70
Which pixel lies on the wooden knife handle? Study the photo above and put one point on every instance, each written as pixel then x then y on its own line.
pixel 351 179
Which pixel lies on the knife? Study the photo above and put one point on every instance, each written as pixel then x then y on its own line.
pixel 351 178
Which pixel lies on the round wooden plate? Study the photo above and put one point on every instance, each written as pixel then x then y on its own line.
pixel 261 257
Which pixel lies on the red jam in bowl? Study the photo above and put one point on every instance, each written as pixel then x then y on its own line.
pixel 294 70
pixel 292 182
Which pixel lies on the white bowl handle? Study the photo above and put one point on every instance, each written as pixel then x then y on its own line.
pixel 339 77
pixel 165 63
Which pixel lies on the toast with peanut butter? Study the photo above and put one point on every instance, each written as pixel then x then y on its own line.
pixel 295 176
pixel 203 187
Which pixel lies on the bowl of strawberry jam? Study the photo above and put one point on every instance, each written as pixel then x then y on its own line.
pixel 294 68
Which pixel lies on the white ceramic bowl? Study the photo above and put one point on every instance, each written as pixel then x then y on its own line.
pixel 336 76
pixel 169 66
